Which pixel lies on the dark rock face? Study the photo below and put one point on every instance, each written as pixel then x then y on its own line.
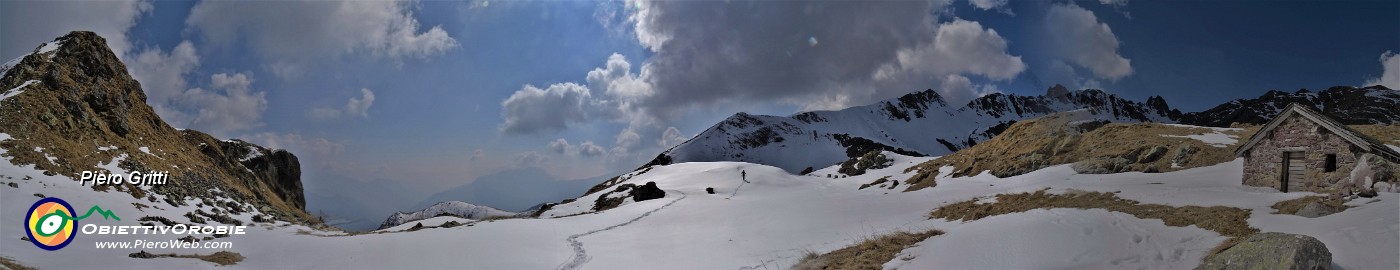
pixel 1349 105
pixel 1273 250
pixel 279 170
pixel 647 192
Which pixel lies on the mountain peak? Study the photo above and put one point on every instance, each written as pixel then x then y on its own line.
pixel 1057 91
pixel 71 105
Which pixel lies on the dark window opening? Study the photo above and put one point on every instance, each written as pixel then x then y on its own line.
pixel 1331 162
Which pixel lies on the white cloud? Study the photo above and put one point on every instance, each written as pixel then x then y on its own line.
pixel 617 79
pixel 987 4
pixel 534 110
pixel 671 137
pixel 957 84
pixel 1115 3
pixel 560 146
pixel 26 24
pixel 231 106
pixel 1076 35
pixel 998 5
pixel 1390 71
pixel 963 47
pixel 588 149
pixel 628 138
pixel 289 34
pixel 530 158
pixel 162 77
pixel 707 53
pixel 356 106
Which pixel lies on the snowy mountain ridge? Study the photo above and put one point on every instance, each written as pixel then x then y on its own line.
pixel 1349 105
pixel 457 208
pixel 916 124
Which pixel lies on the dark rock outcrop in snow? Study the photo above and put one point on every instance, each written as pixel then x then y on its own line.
pixel 648 192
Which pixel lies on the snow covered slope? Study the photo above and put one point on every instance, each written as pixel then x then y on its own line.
pixel 458 208
pixel 769 222
pixel 916 124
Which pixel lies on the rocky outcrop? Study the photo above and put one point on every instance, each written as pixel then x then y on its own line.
pixel 71 105
pixel 647 192
pixel 1315 209
pixel 277 168
pixel 1272 250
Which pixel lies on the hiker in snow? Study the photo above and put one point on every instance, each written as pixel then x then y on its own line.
pixel 744 175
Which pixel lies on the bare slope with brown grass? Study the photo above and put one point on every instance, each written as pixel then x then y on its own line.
pixel 1228 221
pixel 1096 147
pixel 81 109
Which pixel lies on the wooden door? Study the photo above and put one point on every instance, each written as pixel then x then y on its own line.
pixel 1294 164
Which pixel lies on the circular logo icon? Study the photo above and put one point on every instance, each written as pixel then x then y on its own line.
pixel 50 223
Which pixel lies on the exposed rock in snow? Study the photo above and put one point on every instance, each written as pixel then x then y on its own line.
pixel 1273 250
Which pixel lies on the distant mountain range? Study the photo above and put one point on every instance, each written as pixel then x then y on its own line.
pixel 1350 105
pixel 916 124
pixel 453 208
pixel 923 124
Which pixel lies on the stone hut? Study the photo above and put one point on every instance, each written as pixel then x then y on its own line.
pixel 1303 150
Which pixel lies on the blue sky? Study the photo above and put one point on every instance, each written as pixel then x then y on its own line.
pixel 430 95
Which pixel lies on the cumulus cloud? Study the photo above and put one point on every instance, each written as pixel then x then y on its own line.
pixel 534 110
pixel 1390 71
pixel 560 146
pixel 530 158
pixel 356 106
pixel 588 149
pixel 230 105
pixel 288 34
pixel 26 24
pixel 162 76
pixel 710 52
pixel 671 137
pixel 616 79
pixel 998 5
pixel 963 47
pixel 628 138
pixel 1076 35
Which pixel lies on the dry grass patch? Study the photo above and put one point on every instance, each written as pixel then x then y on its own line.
pixel 1228 221
pixel 221 258
pixel 869 254
pixel 1291 207
pixel 11 264
pixel 1094 147
pixel 1387 134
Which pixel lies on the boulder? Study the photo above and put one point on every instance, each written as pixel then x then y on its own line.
pixel 1315 209
pixel 1384 187
pixel 142 255
pixel 647 192
pixel 1273 250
